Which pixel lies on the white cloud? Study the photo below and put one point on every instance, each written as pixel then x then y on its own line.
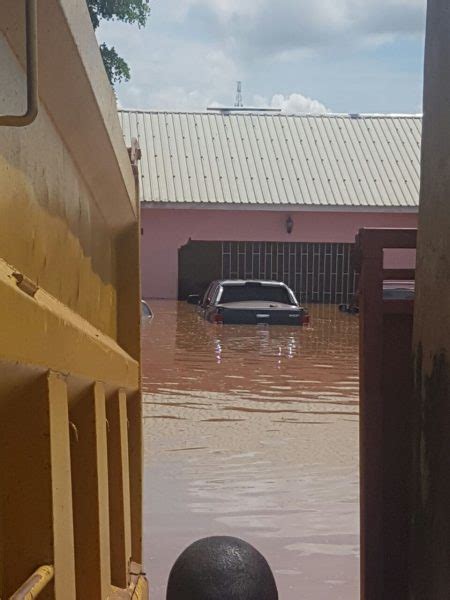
pixel 225 9
pixel 294 104
pixel 168 73
pixel 298 104
pixel 256 26
pixel 178 98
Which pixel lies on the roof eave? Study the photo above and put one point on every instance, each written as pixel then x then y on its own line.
pixel 278 207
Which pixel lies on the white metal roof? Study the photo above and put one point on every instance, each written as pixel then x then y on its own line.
pixel 273 161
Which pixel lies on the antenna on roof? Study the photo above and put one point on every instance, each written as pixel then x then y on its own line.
pixel 238 103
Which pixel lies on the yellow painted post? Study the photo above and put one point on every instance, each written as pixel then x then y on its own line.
pixel 63 540
pixel 90 493
pixel 36 494
pixel 119 488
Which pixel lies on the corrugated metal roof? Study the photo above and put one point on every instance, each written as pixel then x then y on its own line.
pixel 261 160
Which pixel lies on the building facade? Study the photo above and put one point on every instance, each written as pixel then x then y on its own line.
pixel 269 196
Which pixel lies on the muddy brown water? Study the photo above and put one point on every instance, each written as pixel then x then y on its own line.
pixel 253 432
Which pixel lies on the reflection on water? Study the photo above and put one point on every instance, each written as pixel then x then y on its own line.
pixel 252 431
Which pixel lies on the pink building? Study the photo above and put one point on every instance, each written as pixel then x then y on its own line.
pixel 269 196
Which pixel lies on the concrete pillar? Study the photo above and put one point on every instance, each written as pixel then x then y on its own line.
pixel 430 510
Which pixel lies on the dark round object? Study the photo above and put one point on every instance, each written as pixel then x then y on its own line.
pixel 353 310
pixel 221 568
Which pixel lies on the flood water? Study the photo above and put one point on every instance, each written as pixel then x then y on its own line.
pixel 253 432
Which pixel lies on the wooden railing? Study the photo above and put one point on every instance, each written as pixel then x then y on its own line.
pixel 386 380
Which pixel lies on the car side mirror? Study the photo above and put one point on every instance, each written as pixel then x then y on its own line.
pixel 193 299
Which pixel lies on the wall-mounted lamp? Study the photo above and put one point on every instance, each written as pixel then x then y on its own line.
pixel 289 224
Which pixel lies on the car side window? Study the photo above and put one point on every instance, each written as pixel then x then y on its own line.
pixel 207 297
pixel 215 294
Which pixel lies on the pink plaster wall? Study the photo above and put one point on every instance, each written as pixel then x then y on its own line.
pixel 166 230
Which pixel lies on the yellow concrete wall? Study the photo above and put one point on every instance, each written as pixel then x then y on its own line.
pixel 51 229
pixel 69 339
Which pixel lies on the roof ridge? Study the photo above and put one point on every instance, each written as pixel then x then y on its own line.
pixel 256 113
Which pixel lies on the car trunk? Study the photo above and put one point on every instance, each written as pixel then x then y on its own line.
pixel 254 313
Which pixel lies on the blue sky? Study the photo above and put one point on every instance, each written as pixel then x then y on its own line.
pixel 352 56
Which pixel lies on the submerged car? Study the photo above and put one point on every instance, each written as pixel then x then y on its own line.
pixel 392 290
pixel 250 302
pixel 146 311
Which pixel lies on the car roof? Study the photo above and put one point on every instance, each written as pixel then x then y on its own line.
pixel 245 281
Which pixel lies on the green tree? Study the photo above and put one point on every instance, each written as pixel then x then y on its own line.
pixel 128 11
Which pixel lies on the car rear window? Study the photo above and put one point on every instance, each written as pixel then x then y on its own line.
pixel 247 293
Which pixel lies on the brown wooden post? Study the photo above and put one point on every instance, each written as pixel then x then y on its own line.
pixel 136 468
pixel 371 421
pixel 385 394
pixel 430 514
